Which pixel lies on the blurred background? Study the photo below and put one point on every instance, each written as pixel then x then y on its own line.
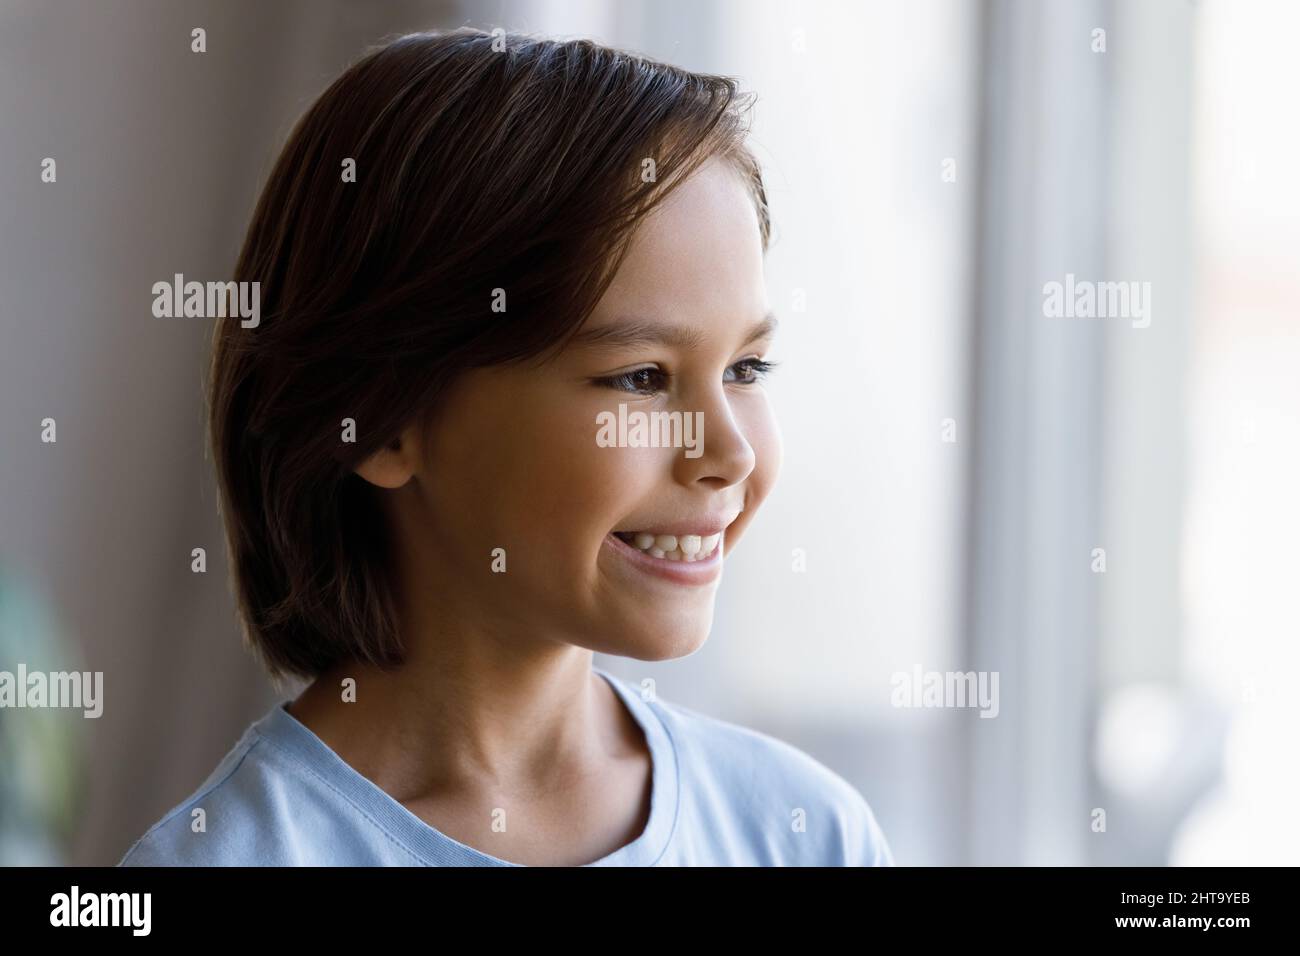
pixel 1105 515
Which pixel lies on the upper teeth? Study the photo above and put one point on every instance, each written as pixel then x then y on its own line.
pixel 687 547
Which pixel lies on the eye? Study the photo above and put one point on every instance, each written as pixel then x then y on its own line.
pixel 643 381
pixel 651 380
pixel 750 371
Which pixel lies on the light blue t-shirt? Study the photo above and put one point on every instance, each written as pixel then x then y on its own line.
pixel 722 795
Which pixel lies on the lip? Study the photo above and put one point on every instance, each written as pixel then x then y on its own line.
pixel 701 526
pixel 679 572
pixel 678 531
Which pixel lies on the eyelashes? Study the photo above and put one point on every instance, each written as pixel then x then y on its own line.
pixel 651 380
pixel 757 369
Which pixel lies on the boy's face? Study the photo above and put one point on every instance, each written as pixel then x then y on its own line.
pixel 517 458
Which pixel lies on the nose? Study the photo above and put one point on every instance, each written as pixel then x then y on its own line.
pixel 725 456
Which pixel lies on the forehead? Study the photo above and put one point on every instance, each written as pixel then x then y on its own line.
pixel 698 254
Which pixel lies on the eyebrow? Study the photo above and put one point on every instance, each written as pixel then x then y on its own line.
pixel 636 333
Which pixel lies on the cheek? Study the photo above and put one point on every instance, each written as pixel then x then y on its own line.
pixel 757 422
pixel 530 472
pixel 606 483
pixel 764 436
pixel 483 457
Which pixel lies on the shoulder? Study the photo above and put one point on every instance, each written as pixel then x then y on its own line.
pixel 263 805
pixel 791 798
pixel 208 827
pixel 275 799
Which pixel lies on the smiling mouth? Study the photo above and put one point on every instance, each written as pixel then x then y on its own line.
pixel 687 547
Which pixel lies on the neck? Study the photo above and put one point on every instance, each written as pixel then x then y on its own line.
pixel 480 711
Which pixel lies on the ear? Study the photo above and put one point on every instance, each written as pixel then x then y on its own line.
pixel 394 464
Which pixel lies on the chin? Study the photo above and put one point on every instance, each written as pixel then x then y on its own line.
pixel 668 643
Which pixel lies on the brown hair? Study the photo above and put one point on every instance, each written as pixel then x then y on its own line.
pixel 482 162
